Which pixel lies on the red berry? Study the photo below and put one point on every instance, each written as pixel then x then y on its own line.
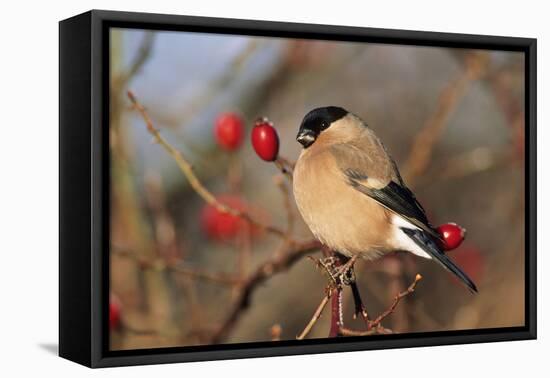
pixel 114 312
pixel 229 131
pixel 452 235
pixel 265 140
pixel 222 226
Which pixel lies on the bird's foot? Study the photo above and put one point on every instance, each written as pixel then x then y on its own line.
pixel 346 275
pixel 338 274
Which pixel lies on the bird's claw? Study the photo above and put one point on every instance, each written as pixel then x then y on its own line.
pixel 339 275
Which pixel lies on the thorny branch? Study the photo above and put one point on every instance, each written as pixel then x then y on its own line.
pixel 375 326
pixel 187 169
pixel 396 301
pixel 334 294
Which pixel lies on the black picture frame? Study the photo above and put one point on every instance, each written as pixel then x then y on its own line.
pixel 84 187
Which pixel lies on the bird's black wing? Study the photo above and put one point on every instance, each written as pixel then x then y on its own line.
pixel 399 200
pixel 369 169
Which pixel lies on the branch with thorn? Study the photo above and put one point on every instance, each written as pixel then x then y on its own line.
pixel 334 295
pixel 187 170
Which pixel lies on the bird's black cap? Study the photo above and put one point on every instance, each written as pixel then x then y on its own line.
pixel 318 120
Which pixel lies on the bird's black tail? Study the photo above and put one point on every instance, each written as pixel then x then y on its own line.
pixel 427 244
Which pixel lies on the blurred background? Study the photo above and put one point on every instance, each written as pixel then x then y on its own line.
pixel 452 119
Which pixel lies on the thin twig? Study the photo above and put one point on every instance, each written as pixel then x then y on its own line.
pixel 335 294
pixel 374 326
pixel 337 273
pixel 287 163
pixel 187 170
pixel 285 166
pixel 396 301
pixel 314 318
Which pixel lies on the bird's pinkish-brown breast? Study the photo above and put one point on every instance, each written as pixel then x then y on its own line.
pixel 338 215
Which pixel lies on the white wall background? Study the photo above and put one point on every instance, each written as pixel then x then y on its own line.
pixel 29 186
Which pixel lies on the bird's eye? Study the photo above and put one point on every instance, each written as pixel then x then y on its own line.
pixel 324 125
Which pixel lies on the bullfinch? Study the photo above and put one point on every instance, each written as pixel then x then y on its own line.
pixel 350 193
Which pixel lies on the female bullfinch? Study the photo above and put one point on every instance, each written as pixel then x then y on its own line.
pixel 350 193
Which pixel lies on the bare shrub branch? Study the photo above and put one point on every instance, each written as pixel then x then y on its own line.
pixel 187 170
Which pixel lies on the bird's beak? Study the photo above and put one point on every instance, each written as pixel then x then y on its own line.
pixel 306 138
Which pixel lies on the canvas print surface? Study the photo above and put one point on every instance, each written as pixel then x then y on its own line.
pixel 267 189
